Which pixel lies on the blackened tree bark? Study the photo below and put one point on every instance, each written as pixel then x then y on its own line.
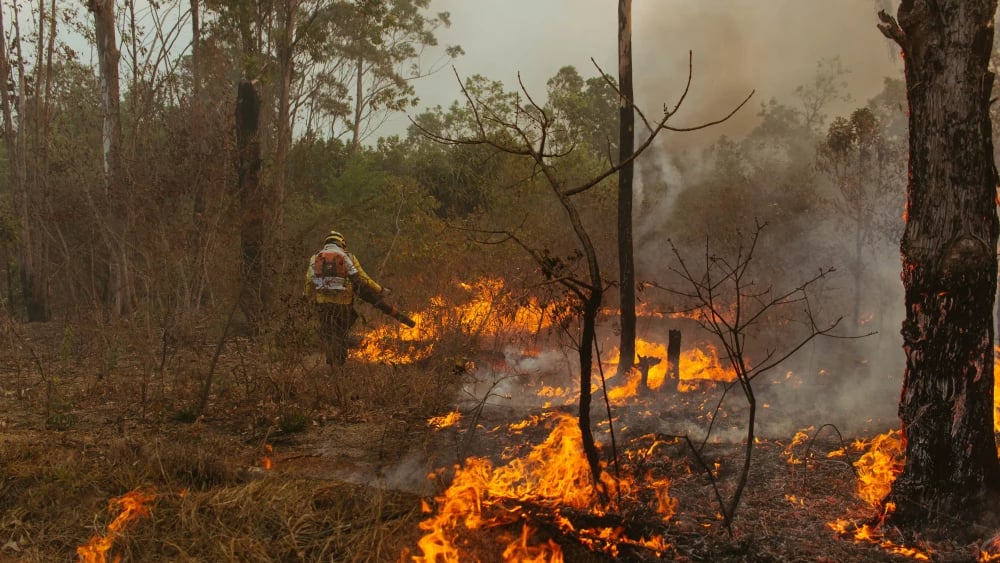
pixel 626 145
pixel 251 198
pixel 949 262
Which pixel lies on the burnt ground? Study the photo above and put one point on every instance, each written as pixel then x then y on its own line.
pixel 289 463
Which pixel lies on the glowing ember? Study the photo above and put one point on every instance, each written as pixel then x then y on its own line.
pixel 990 550
pixel 445 421
pixel 553 475
pixel 867 534
pixel 265 461
pixel 878 467
pixel 133 505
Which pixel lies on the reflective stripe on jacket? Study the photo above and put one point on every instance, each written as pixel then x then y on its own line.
pixel 357 280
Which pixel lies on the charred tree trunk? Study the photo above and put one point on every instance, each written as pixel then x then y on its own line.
pixel 949 262
pixel 591 306
pixel 591 294
pixel 674 355
pixel 626 146
pixel 251 198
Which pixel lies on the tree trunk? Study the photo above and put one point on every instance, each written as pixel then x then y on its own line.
pixel 33 287
pixel 251 198
pixel 358 105
pixel 284 126
pixel 119 293
pixel 626 145
pixel 949 263
pixel 196 51
pixel 591 296
pixel 591 306
pixel 673 356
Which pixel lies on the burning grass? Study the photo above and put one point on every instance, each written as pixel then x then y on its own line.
pixel 552 481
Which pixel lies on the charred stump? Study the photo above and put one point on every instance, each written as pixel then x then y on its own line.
pixel 674 354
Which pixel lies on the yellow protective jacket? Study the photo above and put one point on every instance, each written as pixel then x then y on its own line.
pixel 357 281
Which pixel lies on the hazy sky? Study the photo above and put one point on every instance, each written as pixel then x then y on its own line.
pixel 771 46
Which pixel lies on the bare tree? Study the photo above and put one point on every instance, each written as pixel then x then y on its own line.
pixel 949 263
pixel 729 303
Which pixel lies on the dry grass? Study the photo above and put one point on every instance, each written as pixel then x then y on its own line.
pixel 342 442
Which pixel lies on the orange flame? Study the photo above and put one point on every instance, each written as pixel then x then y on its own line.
pixel 490 310
pixel 990 550
pixel 696 365
pixel 797 440
pixel 397 344
pixel 520 551
pixel 552 474
pixel 133 506
pixel 266 460
pixel 996 389
pixel 657 373
pixel 867 534
pixel 878 467
pixel 450 419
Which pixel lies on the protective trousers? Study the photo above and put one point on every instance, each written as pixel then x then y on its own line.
pixel 335 322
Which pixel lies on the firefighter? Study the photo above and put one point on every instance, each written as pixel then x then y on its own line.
pixel 333 279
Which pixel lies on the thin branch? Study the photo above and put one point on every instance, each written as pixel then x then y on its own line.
pixel 891 29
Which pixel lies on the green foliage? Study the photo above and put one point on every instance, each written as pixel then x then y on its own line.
pixel 187 414
pixel 293 420
pixel 59 413
pixel 66 349
pixel 587 112
pixel 314 165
